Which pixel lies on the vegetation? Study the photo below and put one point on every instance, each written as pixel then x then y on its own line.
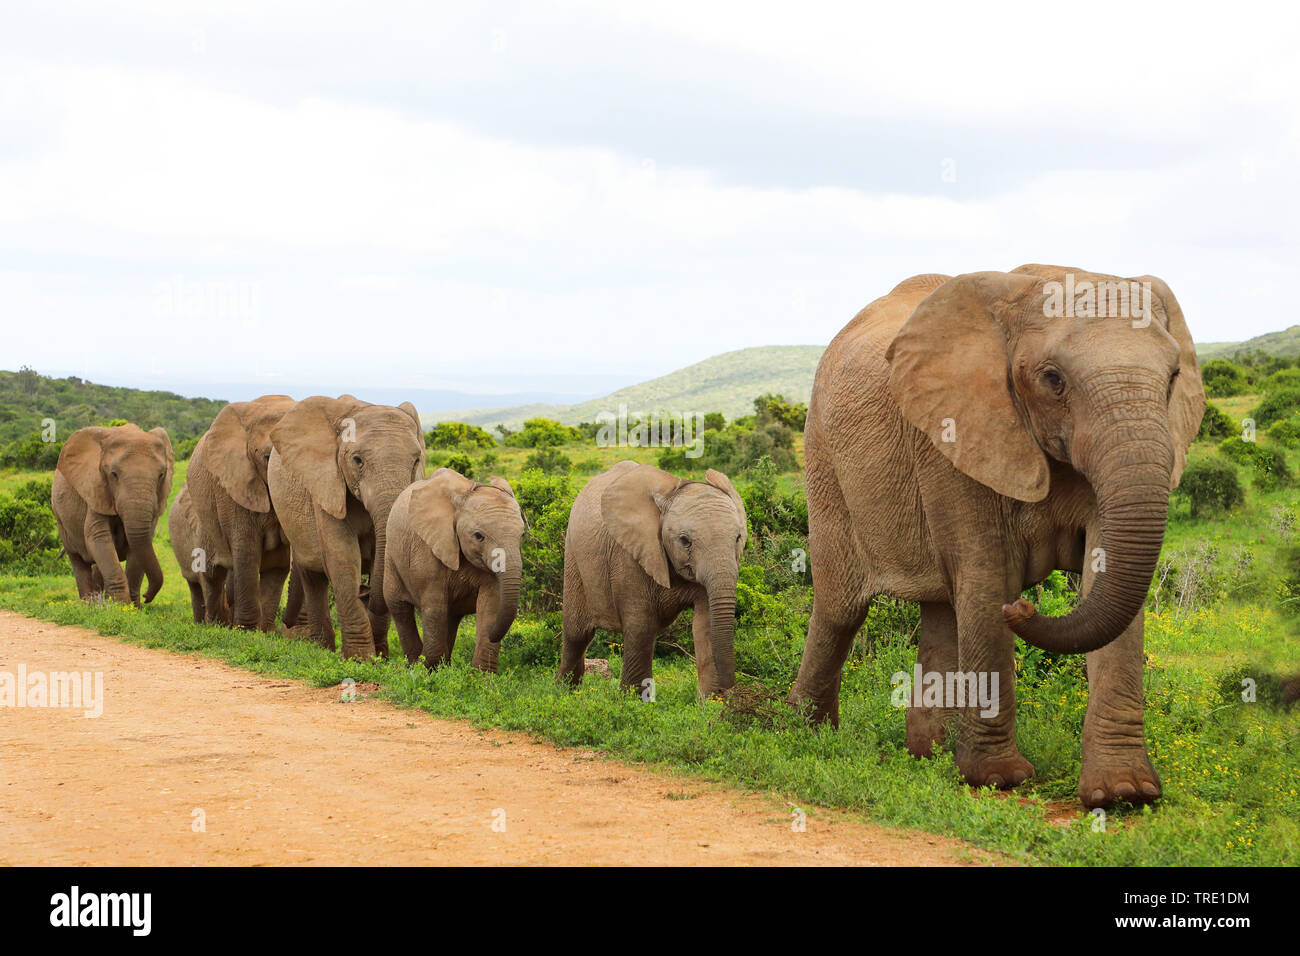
pixel 1221 621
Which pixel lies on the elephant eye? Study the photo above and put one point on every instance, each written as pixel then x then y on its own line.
pixel 356 460
pixel 1054 381
pixel 1172 380
pixel 685 541
pixel 478 535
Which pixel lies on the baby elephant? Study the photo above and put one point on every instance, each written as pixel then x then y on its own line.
pixel 643 546
pixel 207 597
pixel 453 549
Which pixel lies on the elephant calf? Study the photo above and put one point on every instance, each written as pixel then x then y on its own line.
pixel 642 546
pixel 207 598
pixel 453 549
pixel 110 488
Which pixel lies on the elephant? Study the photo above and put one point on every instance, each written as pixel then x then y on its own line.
pixel 642 546
pixel 966 437
pixel 453 549
pixel 207 599
pixel 337 467
pixel 110 488
pixel 227 478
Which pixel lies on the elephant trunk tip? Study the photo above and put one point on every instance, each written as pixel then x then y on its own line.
pixel 1016 613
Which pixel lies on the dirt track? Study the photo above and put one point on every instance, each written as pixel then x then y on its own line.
pixel 288 774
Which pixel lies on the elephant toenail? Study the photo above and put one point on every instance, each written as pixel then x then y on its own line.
pixel 1098 797
pixel 995 780
pixel 1125 791
pixel 1149 789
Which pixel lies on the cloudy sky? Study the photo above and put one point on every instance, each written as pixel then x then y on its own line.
pixel 573 196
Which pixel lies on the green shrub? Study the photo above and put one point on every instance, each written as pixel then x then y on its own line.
pixel 1211 484
pixel 458 435
pixel 545 501
pixel 1215 424
pixel 541 433
pixel 1286 431
pixel 461 462
pixel 1278 404
pixel 549 460
pixel 32 453
pixel 1222 378
pixel 29 541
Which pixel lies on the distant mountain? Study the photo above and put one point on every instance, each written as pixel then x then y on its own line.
pixel 1286 342
pixel 726 383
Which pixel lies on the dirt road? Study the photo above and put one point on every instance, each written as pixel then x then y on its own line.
pixel 196 762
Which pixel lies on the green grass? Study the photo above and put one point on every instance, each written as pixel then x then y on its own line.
pixel 1231 770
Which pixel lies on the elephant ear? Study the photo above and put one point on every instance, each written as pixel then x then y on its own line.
pixel 226 456
pixel 169 456
pixel 79 462
pixel 631 508
pixel 433 513
pixel 949 373
pixel 307 439
pixel 720 481
pixel 1187 400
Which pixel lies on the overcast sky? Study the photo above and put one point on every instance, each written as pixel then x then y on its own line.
pixel 573 196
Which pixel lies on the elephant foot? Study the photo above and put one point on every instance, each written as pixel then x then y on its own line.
pixel 926 726
pixel 1002 771
pixel 816 711
pixel 1128 778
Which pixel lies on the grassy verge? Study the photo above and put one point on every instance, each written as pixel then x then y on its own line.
pixel 1230 769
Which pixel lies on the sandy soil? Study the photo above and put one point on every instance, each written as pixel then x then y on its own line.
pixel 281 773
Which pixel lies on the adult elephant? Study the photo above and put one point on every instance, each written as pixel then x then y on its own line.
pixel 338 466
pixel 228 492
pixel 207 599
pixel 962 442
pixel 110 488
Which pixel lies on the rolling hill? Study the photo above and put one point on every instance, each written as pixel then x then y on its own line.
pixel 1286 342
pixel 726 383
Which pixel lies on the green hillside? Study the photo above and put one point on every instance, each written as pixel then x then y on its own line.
pixel 725 383
pixel 1285 343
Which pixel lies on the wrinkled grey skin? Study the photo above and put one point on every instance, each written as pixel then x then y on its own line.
pixel 453 549
pixel 641 547
pixel 110 488
pixel 338 466
pixel 227 480
pixel 207 597
pixel 960 445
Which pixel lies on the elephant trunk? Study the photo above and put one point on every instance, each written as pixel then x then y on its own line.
pixel 141 561
pixel 722 628
pixel 1130 477
pixel 508 605
pixel 376 603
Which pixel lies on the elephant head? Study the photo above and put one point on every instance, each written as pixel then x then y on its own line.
pixel 457 517
pixel 341 447
pixel 125 472
pixel 237 448
pixel 1002 378
pixel 696 529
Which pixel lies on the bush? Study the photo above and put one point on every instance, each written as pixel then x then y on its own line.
pixel 462 463
pixel 1210 485
pixel 32 453
pixel 1222 378
pixel 714 422
pixel 1286 432
pixel 550 461
pixel 458 435
pixel 541 433
pixel 545 501
pixel 29 541
pixel 1215 424
pixel 185 449
pixel 1278 404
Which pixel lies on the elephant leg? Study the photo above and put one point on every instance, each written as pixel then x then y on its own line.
pixel 213 582
pixel 271 586
pixel 404 618
pixel 379 629
pixel 439 634
pixel 98 536
pixel 578 629
pixel 831 630
pixel 986 744
pixel 1115 761
pixel 246 606
pixel 638 657
pixel 85 575
pixel 706 678
pixel 485 615
pixel 342 554
pixel 197 605
pixel 315 594
pixel 293 600
pixel 937 654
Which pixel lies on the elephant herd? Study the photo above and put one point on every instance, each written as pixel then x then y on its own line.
pixel 965 437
